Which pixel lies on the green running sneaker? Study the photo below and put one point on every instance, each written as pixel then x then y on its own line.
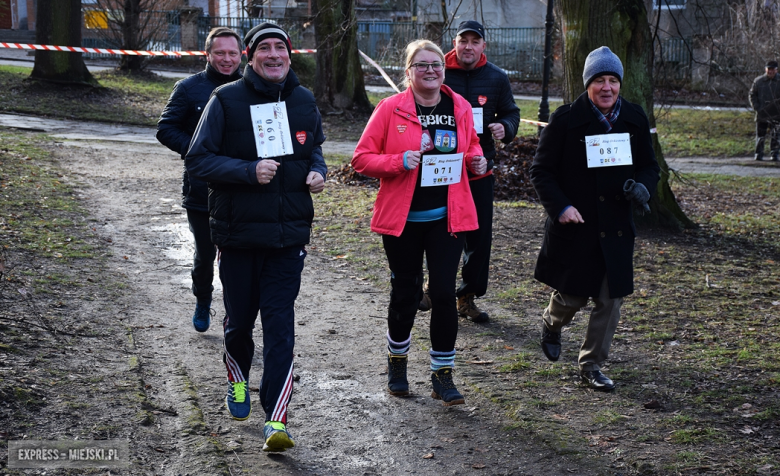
pixel 238 403
pixel 277 439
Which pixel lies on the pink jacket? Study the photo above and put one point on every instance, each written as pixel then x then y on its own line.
pixel 394 129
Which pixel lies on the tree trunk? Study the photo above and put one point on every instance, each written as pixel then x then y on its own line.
pixel 59 23
pixel 624 28
pixel 339 78
pixel 131 36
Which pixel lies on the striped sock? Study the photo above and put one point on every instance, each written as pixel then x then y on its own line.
pixel 398 348
pixel 441 360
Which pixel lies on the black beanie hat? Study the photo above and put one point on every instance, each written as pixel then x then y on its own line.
pixel 260 33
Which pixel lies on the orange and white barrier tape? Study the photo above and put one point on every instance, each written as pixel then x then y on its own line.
pixel 109 51
pixel 536 123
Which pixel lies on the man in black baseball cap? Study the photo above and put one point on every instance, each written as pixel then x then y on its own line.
pixel 496 117
pixel 765 99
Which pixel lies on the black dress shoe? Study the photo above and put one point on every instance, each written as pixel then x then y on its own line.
pixel 551 343
pixel 597 380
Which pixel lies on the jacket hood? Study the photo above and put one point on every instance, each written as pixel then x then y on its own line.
pixel 451 60
pixel 267 88
pixel 220 78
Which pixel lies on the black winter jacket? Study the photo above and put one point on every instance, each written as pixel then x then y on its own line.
pixel 487 87
pixel 575 257
pixel 178 121
pixel 245 214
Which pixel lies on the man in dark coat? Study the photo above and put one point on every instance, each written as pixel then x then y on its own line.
pixel 496 117
pixel 259 146
pixel 765 99
pixel 174 130
pixel 594 161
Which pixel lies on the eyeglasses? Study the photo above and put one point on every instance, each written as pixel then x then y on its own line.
pixel 423 67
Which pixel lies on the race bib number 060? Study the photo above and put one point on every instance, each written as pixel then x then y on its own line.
pixel 608 150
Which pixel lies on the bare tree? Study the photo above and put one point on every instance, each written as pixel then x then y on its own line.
pixel 623 27
pixel 133 25
pixel 339 76
pixel 55 66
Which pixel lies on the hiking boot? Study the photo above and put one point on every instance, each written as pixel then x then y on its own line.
pixel 759 156
pixel 201 320
pixel 238 403
pixel 277 438
pixel 444 389
pixel 469 310
pixel 396 375
pixel 425 302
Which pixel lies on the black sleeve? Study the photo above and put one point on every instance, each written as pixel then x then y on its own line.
pixel 171 128
pixel 544 169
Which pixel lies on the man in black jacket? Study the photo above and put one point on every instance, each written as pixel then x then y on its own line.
pixel 595 161
pixel 174 130
pixel 496 117
pixel 259 146
pixel 765 100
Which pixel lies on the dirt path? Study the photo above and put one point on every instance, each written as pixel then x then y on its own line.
pixel 341 417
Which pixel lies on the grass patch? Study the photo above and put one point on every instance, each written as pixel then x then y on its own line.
pixel 127 99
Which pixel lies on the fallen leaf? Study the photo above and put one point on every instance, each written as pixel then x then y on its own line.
pixel 509 347
pixel 653 405
pixel 428 456
pixel 448 440
pixel 478 466
pixel 479 362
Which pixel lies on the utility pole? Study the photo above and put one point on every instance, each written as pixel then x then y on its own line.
pixel 544 105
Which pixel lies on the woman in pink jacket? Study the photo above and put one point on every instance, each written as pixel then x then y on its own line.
pixel 419 143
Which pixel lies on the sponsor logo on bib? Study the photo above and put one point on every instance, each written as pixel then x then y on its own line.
pixel 301 136
pixel 482 100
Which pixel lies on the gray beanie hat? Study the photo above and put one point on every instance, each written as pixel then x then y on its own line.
pixel 599 62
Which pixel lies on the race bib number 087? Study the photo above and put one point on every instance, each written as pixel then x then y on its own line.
pixel 608 150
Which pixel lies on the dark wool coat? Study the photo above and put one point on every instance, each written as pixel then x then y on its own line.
pixel 178 121
pixel 575 257
pixel 765 98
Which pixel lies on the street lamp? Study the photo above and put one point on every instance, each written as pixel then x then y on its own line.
pixel 544 105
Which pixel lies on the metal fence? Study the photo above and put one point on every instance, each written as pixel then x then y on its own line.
pixel 672 58
pixel 519 51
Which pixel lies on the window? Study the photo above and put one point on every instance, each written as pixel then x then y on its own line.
pixel 669 4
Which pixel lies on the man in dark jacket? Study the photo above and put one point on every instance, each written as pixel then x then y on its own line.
pixel 258 145
pixel 496 116
pixel 594 162
pixel 765 99
pixel 175 129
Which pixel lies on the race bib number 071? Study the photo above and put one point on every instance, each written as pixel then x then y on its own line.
pixel 608 150
pixel 443 169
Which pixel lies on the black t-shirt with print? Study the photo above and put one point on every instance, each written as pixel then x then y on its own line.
pixel 439 137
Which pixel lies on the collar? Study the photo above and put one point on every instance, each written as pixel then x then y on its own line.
pixel 220 78
pixel 276 91
pixel 451 61
pixel 607 120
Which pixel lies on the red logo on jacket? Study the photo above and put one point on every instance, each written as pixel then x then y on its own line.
pixel 482 100
pixel 401 128
pixel 301 136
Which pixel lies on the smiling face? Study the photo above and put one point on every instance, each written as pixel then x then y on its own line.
pixel 770 72
pixel 271 60
pixel 225 55
pixel 604 91
pixel 429 80
pixel 468 49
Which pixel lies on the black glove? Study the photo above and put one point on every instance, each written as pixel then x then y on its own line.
pixel 638 194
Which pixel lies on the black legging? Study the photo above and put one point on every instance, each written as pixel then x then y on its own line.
pixel 405 258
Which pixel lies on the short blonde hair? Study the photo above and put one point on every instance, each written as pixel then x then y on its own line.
pixel 415 47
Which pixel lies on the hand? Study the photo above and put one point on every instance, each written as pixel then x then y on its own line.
pixel 266 171
pixel 316 182
pixel 498 130
pixel 478 165
pixel 413 159
pixel 638 194
pixel 571 215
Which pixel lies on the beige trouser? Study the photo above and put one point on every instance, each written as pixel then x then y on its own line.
pixel 601 327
